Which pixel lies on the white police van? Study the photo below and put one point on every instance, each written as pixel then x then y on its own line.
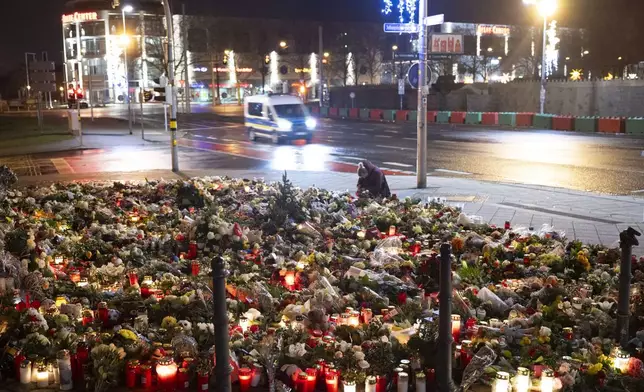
pixel 278 117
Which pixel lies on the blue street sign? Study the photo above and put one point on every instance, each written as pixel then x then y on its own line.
pixel 412 75
pixel 400 28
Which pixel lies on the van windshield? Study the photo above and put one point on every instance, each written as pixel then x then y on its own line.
pixel 294 110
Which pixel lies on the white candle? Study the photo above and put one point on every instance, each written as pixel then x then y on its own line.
pixel 258 371
pixel 502 382
pixel 421 382
pixel 42 377
pixel 403 382
pixel 547 381
pixel 65 370
pixel 522 380
pixel 370 384
pixel 25 372
pixel 349 386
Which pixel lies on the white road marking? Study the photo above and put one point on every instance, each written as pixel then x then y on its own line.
pixel 198 135
pixel 390 131
pixel 232 140
pixel 639 191
pixel 453 172
pixel 398 164
pixel 360 134
pixel 410 138
pixel 396 148
pixel 335 132
pixel 367 129
pixel 352 158
pixel 383 136
pixel 211 137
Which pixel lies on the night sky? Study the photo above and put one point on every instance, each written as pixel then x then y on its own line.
pixel 34 25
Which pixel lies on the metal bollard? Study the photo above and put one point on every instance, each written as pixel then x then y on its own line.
pixel 220 321
pixel 444 375
pixel 627 239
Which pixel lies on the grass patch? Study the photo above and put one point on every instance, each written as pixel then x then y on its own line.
pixel 24 127
pixel 32 140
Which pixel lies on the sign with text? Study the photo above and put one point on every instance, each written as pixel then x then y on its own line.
pixel 80 17
pixel 405 56
pixel 492 30
pixel 41 76
pixel 446 43
pixel 435 20
pixel 400 28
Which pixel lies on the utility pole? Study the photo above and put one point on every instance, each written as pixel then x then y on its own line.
pixel 542 91
pixel 171 82
pixel 421 146
pixel 186 78
pixel 320 65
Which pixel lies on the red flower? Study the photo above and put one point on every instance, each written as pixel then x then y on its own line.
pixel 254 328
pixel 402 298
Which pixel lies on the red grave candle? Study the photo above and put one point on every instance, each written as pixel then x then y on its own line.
pixel 331 381
pixel 203 381
pixel 195 268
pixel 245 375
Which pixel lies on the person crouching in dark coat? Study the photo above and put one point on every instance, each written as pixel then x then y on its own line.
pixel 372 180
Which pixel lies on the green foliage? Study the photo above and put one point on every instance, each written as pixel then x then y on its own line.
pixel 286 204
pixel 381 358
pixel 16 242
pixel 424 343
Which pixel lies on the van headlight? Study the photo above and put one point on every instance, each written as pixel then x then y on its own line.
pixel 284 125
pixel 311 123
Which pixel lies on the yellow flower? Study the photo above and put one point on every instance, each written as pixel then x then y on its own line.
pixel 594 369
pixel 525 341
pixel 168 322
pixel 127 334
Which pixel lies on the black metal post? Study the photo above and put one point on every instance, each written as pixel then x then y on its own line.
pixel 627 239
pixel 444 373
pixel 220 320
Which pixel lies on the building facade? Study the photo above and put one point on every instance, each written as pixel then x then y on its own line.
pixel 111 52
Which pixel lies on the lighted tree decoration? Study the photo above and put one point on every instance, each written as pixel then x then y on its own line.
pixel 406 10
pixel 576 75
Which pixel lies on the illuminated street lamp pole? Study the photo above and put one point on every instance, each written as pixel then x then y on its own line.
pixel 126 8
pixel 546 8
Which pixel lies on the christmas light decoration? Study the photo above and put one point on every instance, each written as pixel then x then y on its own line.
pixel 351 76
pixel 232 74
pixel 576 74
pixel 410 6
pixel 388 5
pixel 275 75
pixel 552 51
pixel 313 65
pixel 401 11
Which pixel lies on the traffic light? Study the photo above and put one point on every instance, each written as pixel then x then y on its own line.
pixel 267 59
pixel 225 59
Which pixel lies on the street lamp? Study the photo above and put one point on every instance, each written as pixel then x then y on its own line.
pixel 125 40
pixel 545 8
pixel 283 44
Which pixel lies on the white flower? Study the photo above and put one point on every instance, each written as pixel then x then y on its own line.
pixel 338 355
pixel 297 350
pixel 363 365
pixel 202 327
pixel 211 235
pixel 359 355
pixel 384 339
pixel 545 331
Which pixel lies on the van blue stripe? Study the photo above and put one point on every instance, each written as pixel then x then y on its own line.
pixel 261 121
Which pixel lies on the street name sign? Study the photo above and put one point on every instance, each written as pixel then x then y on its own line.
pixel 405 56
pixel 435 20
pixel 400 28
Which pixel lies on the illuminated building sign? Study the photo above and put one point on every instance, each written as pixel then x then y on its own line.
pixel 492 30
pixel 80 17
pixel 302 70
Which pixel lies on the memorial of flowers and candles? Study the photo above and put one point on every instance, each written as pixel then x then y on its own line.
pixel 109 285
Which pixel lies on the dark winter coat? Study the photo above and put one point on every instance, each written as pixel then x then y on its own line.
pixel 375 181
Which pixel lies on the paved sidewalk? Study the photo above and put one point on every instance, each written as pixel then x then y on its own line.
pixel 592 218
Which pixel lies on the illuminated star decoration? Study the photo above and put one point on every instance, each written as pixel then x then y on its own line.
pixel 609 76
pixel 388 5
pixel 576 74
